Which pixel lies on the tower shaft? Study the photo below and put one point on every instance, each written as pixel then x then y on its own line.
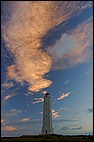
pixel 47 116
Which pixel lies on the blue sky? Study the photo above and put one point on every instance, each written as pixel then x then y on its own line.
pixel 46 46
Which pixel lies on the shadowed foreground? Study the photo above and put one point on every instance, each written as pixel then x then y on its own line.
pixel 53 137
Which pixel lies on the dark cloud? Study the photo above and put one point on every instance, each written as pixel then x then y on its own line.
pixel 89 110
pixel 73 125
pixel 77 128
pixel 64 120
pixel 69 127
pixel 65 128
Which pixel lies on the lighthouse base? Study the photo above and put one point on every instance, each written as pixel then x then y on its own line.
pixel 47 131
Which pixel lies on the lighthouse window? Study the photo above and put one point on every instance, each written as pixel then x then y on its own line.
pixel 46 123
pixel 46 116
pixel 46 109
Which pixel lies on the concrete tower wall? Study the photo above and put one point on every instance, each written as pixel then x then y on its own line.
pixel 47 116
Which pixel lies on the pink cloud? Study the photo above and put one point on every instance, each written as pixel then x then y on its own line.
pixel 9 128
pixel 2 121
pixel 8 85
pixel 63 96
pixel 23 34
pixel 38 100
pixel 9 96
pixel 25 119
pixel 55 114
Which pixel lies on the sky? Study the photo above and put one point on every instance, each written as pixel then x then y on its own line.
pixel 46 46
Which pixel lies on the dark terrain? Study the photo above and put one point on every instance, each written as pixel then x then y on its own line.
pixel 53 137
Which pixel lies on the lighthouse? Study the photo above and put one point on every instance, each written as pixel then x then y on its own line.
pixel 47 116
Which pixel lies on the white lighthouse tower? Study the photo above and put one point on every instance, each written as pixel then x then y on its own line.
pixel 47 116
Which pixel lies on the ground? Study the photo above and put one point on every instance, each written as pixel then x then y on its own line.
pixel 53 137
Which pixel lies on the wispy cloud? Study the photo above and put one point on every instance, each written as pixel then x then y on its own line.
pixel 67 81
pixel 9 96
pixel 12 112
pixel 63 96
pixel 7 85
pixel 38 100
pixel 77 113
pixel 55 114
pixel 90 72
pixel 65 109
pixel 29 93
pixel 9 128
pixel 23 35
pixel 10 116
pixel 25 119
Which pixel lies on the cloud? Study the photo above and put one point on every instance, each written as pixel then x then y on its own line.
pixel 9 96
pixel 23 30
pixel 29 93
pixel 89 110
pixel 3 121
pixel 31 62
pixel 67 81
pixel 76 128
pixel 44 92
pixel 69 127
pixel 90 71
pixel 41 112
pixel 65 128
pixel 65 109
pixel 10 117
pixel 7 85
pixel 13 112
pixel 74 48
pixel 38 100
pixel 9 128
pixel 65 120
pixel 63 96
pixel 78 113
pixel 55 114
pixel 25 119
pixel 73 125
